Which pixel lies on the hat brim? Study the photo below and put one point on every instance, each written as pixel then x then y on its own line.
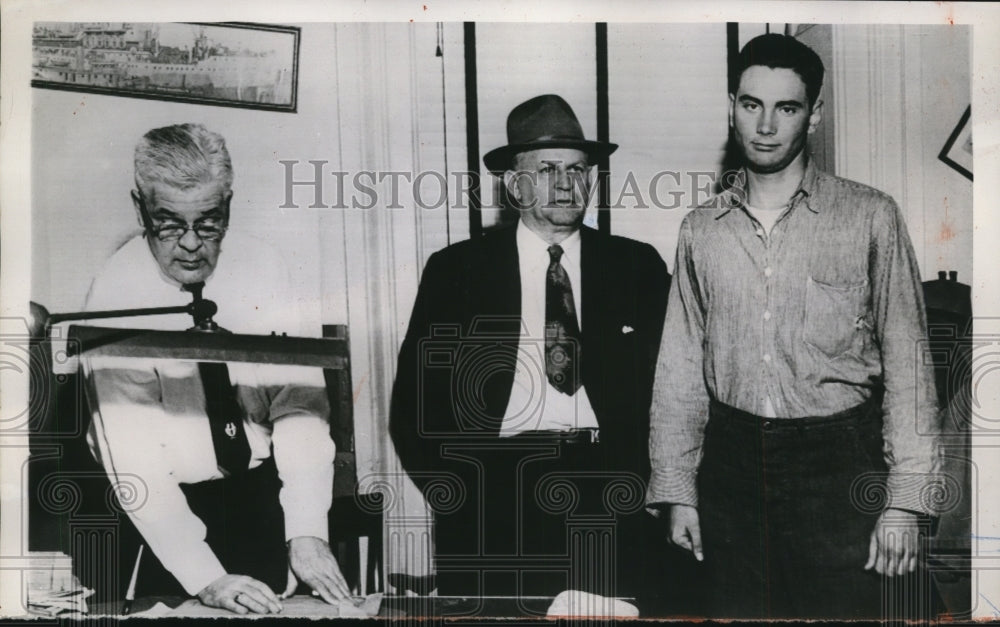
pixel 499 160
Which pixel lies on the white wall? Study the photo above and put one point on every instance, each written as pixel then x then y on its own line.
pixel 947 195
pixel 667 106
pixel 900 92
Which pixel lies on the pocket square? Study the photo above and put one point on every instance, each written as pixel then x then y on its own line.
pixel 627 329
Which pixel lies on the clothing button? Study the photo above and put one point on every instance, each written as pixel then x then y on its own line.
pixel 768 424
pixel 767 315
pixel 768 271
pixel 767 358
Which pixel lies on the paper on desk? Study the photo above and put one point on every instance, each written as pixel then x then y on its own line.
pixel 52 588
pixel 577 603
pixel 300 606
pixel 369 606
pixel 160 609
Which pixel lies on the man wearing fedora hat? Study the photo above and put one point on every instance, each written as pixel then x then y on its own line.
pixel 522 395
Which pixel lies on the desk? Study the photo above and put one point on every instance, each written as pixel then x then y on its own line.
pixel 391 607
pixel 480 607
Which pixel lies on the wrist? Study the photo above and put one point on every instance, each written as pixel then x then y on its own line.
pixel 900 512
pixel 298 539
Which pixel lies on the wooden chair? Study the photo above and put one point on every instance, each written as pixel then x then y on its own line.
pixel 949 329
pixel 355 519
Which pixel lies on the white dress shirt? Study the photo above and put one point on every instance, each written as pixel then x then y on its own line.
pixel 150 425
pixel 535 405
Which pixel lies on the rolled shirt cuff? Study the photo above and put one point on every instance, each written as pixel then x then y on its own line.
pixel 916 492
pixel 672 485
pixel 314 525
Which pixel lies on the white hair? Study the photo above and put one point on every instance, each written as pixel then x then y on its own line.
pixel 182 156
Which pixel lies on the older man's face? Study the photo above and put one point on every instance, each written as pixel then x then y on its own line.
pixel 185 228
pixel 551 187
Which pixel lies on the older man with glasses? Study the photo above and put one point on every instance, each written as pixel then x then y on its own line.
pixel 237 460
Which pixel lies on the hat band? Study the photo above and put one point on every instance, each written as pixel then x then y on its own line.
pixel 549 138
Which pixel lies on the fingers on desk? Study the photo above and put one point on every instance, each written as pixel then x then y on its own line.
pixel 331 588
pixel 256 597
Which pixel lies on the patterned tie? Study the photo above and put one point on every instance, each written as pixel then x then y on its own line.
pixel 225 418
pixel 562 332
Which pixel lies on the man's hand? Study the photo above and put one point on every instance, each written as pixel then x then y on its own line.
pixel 685 531
pixel 895 544
pixel 240 594
pixel 310 560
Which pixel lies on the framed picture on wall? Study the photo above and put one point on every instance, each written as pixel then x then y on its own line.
pixel 229 64
pixel 957 151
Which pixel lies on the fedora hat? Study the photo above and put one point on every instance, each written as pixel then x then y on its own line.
pixel 543 122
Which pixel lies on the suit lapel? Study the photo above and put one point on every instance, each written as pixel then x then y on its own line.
pixel 497 314
pixel 501 279
pixel 592 279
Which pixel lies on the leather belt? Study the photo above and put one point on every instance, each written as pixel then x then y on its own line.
pixel 573 437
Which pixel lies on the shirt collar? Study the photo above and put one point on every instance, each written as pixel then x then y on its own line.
pixel 734 193
pixel 531 245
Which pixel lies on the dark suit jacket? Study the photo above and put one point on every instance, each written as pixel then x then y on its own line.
pixel 456 365
pixel 455 375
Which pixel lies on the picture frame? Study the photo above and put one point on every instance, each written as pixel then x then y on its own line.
pixel 957 151
pixel 231 64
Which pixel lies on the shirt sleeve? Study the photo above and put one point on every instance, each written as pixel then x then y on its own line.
pixel 679 408
pixel 304 454
pixel 124 440
pixel 910 413
pixel 299 412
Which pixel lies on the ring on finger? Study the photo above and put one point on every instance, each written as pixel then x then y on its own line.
pixel 237 597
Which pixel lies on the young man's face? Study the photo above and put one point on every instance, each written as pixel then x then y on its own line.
pixel 771 118
pixel 191 223
pixel 551 187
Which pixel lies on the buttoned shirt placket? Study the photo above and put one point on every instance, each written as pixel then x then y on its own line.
pixel 769 248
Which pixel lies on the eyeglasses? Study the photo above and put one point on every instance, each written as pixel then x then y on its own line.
pixel 206 230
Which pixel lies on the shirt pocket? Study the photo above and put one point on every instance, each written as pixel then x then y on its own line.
pixel 836 317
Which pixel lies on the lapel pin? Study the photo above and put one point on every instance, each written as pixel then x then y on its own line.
pixel 627 329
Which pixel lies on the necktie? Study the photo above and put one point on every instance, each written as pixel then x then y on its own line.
pixel 225 418
pixel 562 332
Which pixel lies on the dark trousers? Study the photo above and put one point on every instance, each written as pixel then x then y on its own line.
pixel 245 529
pixel 537 515
pixel 787 508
